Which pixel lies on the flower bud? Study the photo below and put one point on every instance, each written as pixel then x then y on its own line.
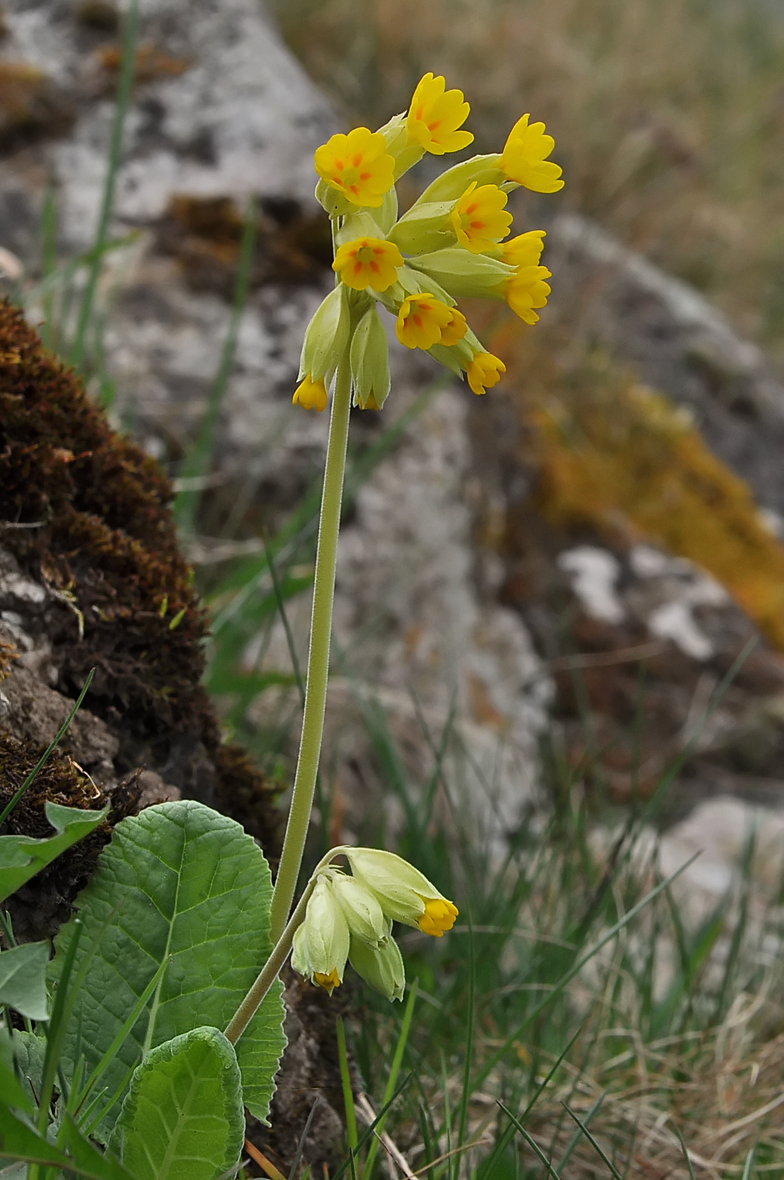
pixel 404 894
pixel 370 362
pixel 464 274
pixel 381 967
pixel 361 910
pixel 326 337
pixel 321 943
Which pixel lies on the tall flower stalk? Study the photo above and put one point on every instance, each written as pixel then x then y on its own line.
pixel 449 245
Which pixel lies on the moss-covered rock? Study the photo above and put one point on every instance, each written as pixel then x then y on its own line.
pixel 91 578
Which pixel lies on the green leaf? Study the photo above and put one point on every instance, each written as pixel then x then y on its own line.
pixel 21 857
pixel 182 1118
pixel 183 886
pixel 29 1051
pixel 23 979
pixel 20 1141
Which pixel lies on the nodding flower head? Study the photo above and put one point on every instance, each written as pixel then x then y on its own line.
pixel 404 894
pixel 435 115
pixel 357 165
pixel 524 158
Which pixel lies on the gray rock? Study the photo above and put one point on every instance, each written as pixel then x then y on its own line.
pixel 680 344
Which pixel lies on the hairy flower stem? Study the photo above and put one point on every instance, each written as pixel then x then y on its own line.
pixel 318 657
pixel 271 969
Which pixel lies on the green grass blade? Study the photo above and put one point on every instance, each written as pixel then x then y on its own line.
pixel 197 463
pixel 394 1073
pixel 348 1093
pixel 594 1143
pixel 530 1141
pixel 124 93
pixel 42 761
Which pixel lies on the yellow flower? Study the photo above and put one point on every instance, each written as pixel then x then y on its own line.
pixel 435 115
pixel 527 290
pixel 524 250
pixel 357 165
pixel 368 262
pixel 480 219
pixel 310 395
pixel 524 158
pixel 455 330
pixel 484 371
pixel 421 320
pixel 439 916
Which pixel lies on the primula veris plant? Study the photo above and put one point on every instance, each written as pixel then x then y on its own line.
pixel 451 244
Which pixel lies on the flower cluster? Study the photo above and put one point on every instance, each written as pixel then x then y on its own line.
pixel 449 245
pixel 349 919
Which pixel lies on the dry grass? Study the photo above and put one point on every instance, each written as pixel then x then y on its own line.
pixel 668 114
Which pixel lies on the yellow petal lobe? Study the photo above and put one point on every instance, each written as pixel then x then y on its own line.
pixel 438 917
pixel 311 395
pixel 484 372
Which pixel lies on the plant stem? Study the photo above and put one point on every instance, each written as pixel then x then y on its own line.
pixel 271 969
pixel 318 656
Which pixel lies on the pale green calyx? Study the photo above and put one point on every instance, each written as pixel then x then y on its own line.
pixel 326 337
pixel 426 226
pixel 321 943
pixel 381 967
pixel 463 274
pixel 369 358
pixel 363 914
pixel 451 185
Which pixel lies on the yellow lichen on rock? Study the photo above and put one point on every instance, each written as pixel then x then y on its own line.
pixel 616 456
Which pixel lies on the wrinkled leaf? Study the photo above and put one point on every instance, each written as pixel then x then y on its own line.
pixel 23 979
pixel 21 857
pixel 187 887
pixel 183 1117
pixel 29 1051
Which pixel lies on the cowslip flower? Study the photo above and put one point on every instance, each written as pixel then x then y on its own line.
pixel 321 943
pixel 311 395
pixel 357 165
pixel 368 262
pixel 484 371
pixel 404 894
pixel 527 290
pixel 435 115
pixel 524 250
pixel 524 158
pixel 480 219
pixel 421 320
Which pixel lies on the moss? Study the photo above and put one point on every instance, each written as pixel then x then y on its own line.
pixel 106 545
pixel 615 456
